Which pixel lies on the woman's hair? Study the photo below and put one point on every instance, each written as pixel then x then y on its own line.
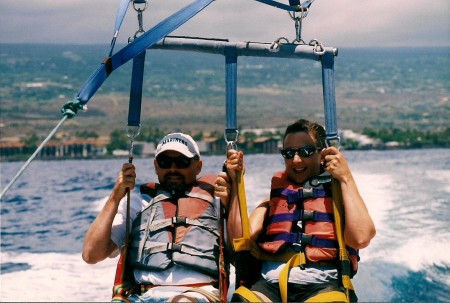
pixel 317 131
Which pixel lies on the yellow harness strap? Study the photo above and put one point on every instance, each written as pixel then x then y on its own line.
pixel 243 205
pixel 339 220
pixel 331 296
pixel 296 260
pixel 250 295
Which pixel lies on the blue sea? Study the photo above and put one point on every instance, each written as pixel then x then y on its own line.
pixel 45 214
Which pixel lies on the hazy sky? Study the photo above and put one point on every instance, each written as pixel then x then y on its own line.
pixel 337 23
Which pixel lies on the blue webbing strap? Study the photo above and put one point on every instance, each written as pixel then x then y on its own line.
pixel 294 5
pixel 137 77
pixel 231 88
pixel 329 97
pixel 134 48
pixel 121 12
pixel 279 5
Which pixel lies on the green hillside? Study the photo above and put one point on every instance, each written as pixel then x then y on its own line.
pixel 384 88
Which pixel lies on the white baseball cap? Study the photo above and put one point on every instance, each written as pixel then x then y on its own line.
pixel 179 142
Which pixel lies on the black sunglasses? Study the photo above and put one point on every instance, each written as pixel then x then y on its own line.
pixel 305 151
pixel 181 162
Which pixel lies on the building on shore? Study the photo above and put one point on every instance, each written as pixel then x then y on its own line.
pixel 64 149
pixel 76 148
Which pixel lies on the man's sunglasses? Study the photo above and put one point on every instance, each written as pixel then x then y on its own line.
pixel 305 151
pixel 181 162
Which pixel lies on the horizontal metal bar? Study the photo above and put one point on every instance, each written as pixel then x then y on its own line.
pixel 253 49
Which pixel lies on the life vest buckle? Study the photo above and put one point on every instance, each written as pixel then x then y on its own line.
pixel 308 215
pixel 305 193
pixel 174 247
pixel 306 239
pixel 179 220
pixel 297 247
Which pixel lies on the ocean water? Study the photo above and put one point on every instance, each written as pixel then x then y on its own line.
pixel 46 213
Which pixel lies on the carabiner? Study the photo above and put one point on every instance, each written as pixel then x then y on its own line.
pixel 318 47
pixel 231 142
pixel 275 46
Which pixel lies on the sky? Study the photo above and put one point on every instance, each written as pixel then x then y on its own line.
pixel 335 23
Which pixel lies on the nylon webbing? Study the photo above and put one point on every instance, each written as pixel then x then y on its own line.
pixel 296 260
pixel 339 220
pixel 121 12
pixel 280 5
pixel 137 77
pixel 138 45
pixel 231 88
pixel 329 97
pixel 243 205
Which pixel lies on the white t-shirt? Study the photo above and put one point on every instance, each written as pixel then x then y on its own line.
pixel 310 275
pixel 175 275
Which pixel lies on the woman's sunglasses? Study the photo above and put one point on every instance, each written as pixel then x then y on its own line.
pixel 305 151
pixel 181 162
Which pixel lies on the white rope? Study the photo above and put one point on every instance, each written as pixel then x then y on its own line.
pixel 33 156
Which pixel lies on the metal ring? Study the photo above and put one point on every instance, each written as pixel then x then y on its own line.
pixel 336 142
pixel 317 45
pixel 231 144
pixel 275 46
pixel 139 9
pixel 134 134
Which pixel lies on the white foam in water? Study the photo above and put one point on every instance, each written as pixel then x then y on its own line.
pixel 416 253
pixel 55 277
pixel 373 189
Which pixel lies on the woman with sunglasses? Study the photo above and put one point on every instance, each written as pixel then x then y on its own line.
pixel 298 219
pixel 174 236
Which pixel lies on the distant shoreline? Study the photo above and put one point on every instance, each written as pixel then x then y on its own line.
pixel 108 157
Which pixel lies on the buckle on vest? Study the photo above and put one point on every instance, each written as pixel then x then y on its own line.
pixel 179 220
pixel 306 239
pixel 297 247
pixel 305 193
pixel 308 215
pixel 174 247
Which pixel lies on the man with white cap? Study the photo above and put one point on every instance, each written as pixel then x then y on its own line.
pixel 173 240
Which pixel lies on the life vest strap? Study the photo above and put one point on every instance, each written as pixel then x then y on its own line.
pixel 301 215
pixel 303 239
pixel 163 223
pixel 155 247
pixel 294 196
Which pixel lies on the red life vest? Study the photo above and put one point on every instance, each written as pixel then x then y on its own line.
pixel 301 218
